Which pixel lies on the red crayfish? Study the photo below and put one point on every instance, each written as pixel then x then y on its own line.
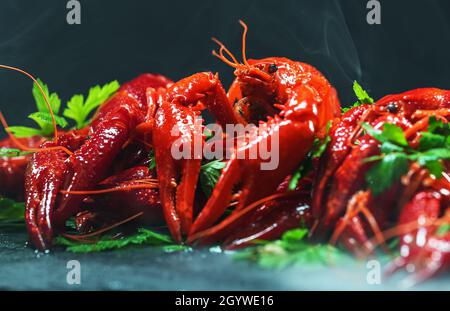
pixel 347 210
pixel 101 175
pixel 77 169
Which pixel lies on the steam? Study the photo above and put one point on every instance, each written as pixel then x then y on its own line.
pixel 339 46
pixel 314 32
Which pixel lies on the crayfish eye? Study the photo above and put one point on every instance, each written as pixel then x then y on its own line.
pixel 392 108
pixel 273 68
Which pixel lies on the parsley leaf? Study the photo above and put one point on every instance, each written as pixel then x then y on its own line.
pixel 319 147
pixel 79 109
pixel 107 242
pixel 436 126
pixel 430 141
pixel 291 249
pixel 152 164
pixel 361 95
pixel 12 153
pixel 394 134
pixel 396 153
pixel 42 117
pixel 45 119
pixel 443 230
pixel 53 98
pixel 391 133
pixel 209 175
pixel 383 174
pixel 11 211
pixel 301 172
pixel 24 131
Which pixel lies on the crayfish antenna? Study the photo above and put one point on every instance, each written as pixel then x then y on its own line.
pixel 233 62
pixel 244 42
pixel 103 230
pixel 149 185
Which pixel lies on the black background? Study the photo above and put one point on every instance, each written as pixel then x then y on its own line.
pixel 120 39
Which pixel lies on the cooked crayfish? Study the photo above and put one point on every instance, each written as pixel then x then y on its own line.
pixel 290 100
pixel 345 208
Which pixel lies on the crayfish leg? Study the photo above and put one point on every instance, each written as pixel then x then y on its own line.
pixel 44 177
pixel 220 197
pixel 186 193
pixel 90 163
pixel 43 181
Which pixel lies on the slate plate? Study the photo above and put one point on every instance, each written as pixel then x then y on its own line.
pixel 148 268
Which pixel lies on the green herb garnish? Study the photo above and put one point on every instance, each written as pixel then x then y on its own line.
pixel 11 212
pixel 291 249
pixel 12 153
pixel 108 242
pixel 42 117
pixel 396 153
pixel 443 230
pixel 319 147
pixel 79 109
pixel 209 175
pixel 362 96
pixel 152 164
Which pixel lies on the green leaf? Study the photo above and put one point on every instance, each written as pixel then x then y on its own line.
pixel 443 230
pixel 388 147
pixel 12 153
pixel 294 235
pixel 436 126
pixel 435 168
pixel 79 110
pixel 396 153
pixel 394 134
pixel 53 98
pixel 361 94
pixel 45 118
pixel 295 179
pixel 434 154
pixel 319 147
pixel 141 237
pixel 429 141
pixel 302 171
pixel 377 134
pixel 383 174
pixel 390 133
pixel 11 211
pixel 42 117
pixel 209 175
pixel 152 164
pixel 291 249
pixel 75 110
pixel 431 159
pixel 24 131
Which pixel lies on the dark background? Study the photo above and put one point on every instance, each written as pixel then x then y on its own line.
pixel 120 39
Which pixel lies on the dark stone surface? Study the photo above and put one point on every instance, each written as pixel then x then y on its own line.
pixel 147 268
